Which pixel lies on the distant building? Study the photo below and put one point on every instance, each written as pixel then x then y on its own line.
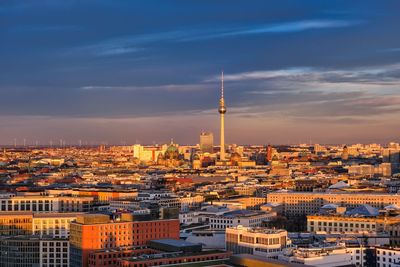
pixel 345 153
pixel 37 203
pixel 307 203
pixel 206 142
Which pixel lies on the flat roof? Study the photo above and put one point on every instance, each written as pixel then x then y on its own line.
pixel 174 242
pixel 175 255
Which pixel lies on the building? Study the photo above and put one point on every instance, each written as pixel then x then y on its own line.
pixel 210 239
pixel 206 142
pixel 146 153
pixel 257 241
pixel 203 258
pixel 235 218
pixel 37 203
pixel 242 202
pixel 92 232
pixel 31 251
pixel 387 257
pixel 307 203
pixel 52 224
pixel 325 255
pixel 365 170
pixel 345 153
pixel 176 252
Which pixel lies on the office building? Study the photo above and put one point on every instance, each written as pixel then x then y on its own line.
pixel 257 241
pixel 92 232
pixel 206 142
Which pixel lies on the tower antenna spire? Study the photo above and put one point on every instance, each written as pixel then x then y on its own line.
pixel 222 84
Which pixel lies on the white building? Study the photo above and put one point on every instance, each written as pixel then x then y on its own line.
pixel 387 257
pixel 326 256
pixel 257 241
pixel 235 218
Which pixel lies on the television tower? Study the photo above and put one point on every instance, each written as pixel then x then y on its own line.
pixel 222 111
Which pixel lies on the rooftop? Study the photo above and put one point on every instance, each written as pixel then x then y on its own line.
pixel 174 255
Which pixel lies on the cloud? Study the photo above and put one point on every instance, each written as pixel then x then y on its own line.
pixel 166 87
pixel 133 43
pixel 284 27
pixel 387 74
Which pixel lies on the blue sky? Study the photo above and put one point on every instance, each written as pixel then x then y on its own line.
pixel 121 71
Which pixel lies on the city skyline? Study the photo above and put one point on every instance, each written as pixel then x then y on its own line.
pixel 325 72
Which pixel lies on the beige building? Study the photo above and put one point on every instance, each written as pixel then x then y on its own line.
pixel 307 203
pixel 338 223
pixel 38 203
pixel 51 224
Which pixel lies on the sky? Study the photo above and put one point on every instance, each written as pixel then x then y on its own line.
pixel 121 72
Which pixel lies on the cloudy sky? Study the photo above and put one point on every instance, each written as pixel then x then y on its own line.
pixel 147 71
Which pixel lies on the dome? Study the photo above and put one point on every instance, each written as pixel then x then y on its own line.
pixel 172 152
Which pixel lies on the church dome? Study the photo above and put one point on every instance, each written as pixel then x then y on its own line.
pixel 172 152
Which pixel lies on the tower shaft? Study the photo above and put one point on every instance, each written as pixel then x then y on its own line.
pixel 222 111
pixel 222 152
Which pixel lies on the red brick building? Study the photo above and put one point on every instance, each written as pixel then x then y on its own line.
pixel 94 232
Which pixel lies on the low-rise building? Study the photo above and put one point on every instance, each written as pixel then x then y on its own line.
pixel 257 241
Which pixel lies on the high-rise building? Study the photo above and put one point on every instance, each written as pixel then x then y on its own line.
pixel 206 142
pixel 269 153
pixel 222 111
pixel 345 153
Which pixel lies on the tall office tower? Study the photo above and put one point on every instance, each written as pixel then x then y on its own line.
pixel 345 154
pixel 206 142
pixel 222 111
pixel 269 153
